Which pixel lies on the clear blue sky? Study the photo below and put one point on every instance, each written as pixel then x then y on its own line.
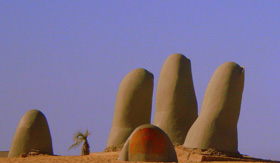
pixel 67 58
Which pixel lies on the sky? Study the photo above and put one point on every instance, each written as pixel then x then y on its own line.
pixel 67 59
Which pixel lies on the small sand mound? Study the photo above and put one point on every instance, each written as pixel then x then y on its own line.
pixel 113 148
pixel 211 152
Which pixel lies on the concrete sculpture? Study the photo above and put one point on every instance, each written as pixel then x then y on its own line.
pixel 176 105
pixel 133 105
pixel 216 126
pixel 150 144
pixel 32 133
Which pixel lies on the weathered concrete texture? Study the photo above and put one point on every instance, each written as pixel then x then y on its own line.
pixel 32 134
pixel 150 144
pixel 216 126
pixel 133 105
pixel 176 105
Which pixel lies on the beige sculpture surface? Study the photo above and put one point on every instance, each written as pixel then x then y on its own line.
pixel 32 133
pixel 133 105
pixel 148 143
pixel 216 126
pixel 176 105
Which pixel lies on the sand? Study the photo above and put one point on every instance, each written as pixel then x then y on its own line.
pixel 101 157
pixel 108 157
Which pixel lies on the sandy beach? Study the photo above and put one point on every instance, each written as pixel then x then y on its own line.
pixel 103 157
